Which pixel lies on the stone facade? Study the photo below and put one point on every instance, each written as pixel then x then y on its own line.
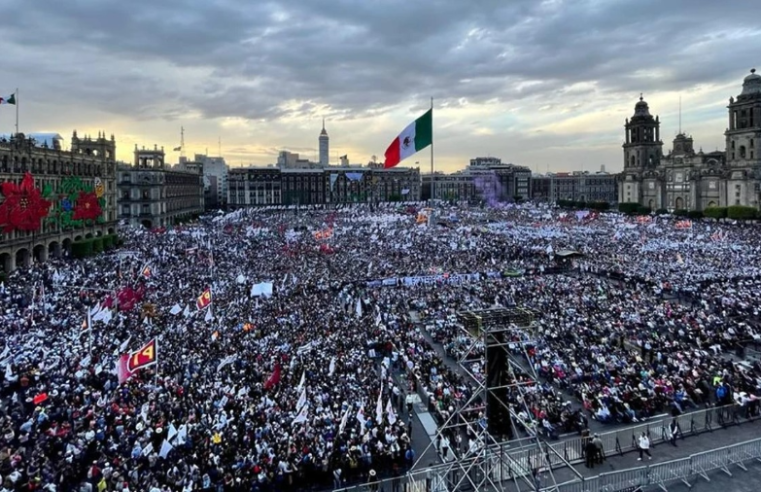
pixel 580 186
pixel 153 195
pixel 321 185
pixel 686 179
pixel 486 178
pixel 59 174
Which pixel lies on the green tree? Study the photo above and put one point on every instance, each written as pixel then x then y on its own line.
pixel 739 212
pixel 715 212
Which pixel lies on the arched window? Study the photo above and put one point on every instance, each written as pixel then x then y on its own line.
pixel 633 161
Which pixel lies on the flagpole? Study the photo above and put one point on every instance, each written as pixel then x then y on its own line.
pixel 433 182
pixel 17 105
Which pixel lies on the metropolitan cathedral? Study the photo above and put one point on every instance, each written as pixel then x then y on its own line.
pixel 685 179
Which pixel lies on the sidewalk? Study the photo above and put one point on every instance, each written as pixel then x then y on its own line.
pixel 685 447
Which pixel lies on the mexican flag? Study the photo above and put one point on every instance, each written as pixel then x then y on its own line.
pixel 417 136
pixel 8 100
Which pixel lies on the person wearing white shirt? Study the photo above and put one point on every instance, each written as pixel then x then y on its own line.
pixel 644 447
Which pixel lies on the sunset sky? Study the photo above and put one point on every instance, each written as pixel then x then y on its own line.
pixel 545 84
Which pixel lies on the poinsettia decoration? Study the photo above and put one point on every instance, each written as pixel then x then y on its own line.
pixel 23 208
pixel 87 207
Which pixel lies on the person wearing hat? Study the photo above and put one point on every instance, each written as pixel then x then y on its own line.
pixel 372 480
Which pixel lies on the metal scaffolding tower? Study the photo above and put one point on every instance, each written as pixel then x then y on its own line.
pixel 484 462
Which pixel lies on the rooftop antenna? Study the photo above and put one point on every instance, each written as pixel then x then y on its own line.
pixel 219 145
pixel 182 141
pixel 680 115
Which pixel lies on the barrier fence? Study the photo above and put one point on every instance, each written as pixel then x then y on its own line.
pixel 685 470
pixel 504 462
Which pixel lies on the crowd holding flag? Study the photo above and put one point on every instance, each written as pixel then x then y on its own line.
pixel 130 363
pixel 204 300
pixel 274 378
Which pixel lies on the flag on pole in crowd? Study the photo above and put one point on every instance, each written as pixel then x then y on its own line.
pixel 147 271
pixel 166 448
pixel 171 432
pixel 417 136
pixel 176 309
pixel 204 299
pixel 344 420
pixel 358 308
pixel 303 380
pixel 274 378
pixel 390 414
pixel 209 316
pixel 302 400
pixel 226 361
pixel 332 367
pixel 379 406
pixel 361 415
pixel 302 416
pixel 144 357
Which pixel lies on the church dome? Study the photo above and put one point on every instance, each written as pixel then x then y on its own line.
pixel 641 108
pixel 752 83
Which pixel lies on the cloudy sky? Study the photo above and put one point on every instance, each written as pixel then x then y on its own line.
pixel 547 83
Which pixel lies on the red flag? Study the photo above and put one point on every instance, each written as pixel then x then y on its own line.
pixel 145 356
pixel 274 378
pixel 128 364
pixel 122 369
pixel 40 398
pixel 204 299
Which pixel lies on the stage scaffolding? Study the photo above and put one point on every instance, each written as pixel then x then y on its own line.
pixel 485 459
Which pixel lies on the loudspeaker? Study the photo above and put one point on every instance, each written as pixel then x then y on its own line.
pixel 498 417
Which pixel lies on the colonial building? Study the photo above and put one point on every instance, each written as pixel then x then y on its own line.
pixel 154 195
pixel 486 178
pixel 289 185
pixel 579 186
pixel 57 196
pixel 686 179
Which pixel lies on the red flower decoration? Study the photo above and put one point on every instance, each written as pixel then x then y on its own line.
pixel 87 207
pixel 23 208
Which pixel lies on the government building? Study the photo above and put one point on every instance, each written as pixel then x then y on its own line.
pixel 154 195
pixel 297 181
pixel 52 197
pixel 688 180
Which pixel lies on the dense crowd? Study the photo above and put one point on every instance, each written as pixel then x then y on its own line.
pixel 310 381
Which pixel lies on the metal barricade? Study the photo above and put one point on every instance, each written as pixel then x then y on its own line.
pixel 676 470
pixel 620 480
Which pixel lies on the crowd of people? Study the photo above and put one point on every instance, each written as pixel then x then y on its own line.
pixel 321 328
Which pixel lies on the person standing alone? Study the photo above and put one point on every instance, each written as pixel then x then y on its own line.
pixel 644 447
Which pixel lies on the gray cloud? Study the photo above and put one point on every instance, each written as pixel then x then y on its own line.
pixel 352 58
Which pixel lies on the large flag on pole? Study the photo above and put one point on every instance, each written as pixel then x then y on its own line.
pixel 417 136
pixel 8 100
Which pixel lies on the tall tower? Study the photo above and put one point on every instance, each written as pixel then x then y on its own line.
pixel 324 146
pixel 642 154
pixel 643 146
pixel 744 142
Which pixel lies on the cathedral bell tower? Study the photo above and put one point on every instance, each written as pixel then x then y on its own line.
pixel 643 146
pixel 642 154
pixel 744 144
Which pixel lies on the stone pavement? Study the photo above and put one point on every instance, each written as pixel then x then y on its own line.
pixel 685 447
